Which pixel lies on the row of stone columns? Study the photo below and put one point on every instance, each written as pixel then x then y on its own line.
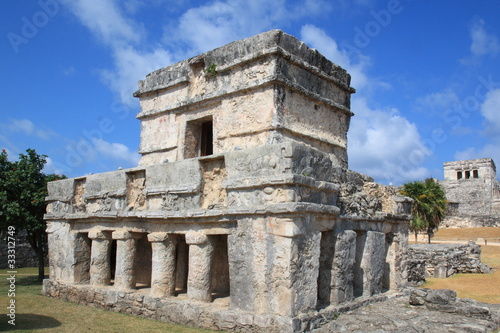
pixel 164 262
pixel 353 264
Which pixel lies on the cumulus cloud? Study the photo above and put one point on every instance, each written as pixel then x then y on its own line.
pixel 52 167
pixel 217 23
pixel 483 43
pixel 116 151
pixel 132 65
pixel 385 145
pixel 105 20
pixel 318 39
pixel 132 59
pixel 382 142
pixel 490 109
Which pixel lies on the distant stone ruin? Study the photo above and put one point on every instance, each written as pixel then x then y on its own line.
pixel 443 260
pixel 242 214
pixel 473 194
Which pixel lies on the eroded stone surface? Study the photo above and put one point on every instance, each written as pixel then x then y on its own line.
pixel 473 193
pixel 242 214
pixel 444 260
pixel 398 315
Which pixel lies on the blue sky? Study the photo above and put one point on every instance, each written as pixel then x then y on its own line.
pixel 426 74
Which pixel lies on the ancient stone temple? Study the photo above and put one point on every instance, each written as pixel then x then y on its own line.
pixel 242 214
pixel 473 193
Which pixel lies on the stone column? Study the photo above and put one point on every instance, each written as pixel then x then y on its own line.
pixel 201 252
pixel 373 262
pixel 163 260
pixel 342 289
pixel 100 273
pixel 81 267
pixel 125 259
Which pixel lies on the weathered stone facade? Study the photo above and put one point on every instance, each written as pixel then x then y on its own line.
pixel 443 260
pixel 240 214
pixel 473 193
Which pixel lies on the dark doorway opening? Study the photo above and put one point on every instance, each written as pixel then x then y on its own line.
pixel 207 139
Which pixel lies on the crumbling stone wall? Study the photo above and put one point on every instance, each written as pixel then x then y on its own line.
pixel 359 195
pixel 443 260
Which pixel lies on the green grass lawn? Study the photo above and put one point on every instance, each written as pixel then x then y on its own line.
pixel 37 313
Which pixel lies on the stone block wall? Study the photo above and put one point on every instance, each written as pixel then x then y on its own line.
pixel 443 260
pixel 473 194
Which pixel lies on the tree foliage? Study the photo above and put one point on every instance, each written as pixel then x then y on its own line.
pixel 23 188
pixel 429 206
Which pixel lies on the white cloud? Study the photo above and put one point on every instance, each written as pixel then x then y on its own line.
pixel 318 39
pixel 131 66
pixel 382 143
pixel 385 145
pixel 491 111
pixel 132 60
pixel 27 127
pixel 217 23
pixel 439 102
pixel 488 151
pixel 51 167
pixel 482 42
pixel 116 151
pixel 106 21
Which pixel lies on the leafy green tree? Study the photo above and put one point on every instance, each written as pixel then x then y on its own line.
pixel 23 188
pixel 429 206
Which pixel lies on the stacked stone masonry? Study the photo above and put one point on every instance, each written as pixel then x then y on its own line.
pixel 443 260
pixel 473 193
pixel 238 215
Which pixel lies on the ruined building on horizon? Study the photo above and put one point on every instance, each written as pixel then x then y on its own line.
pixel 473 194
pixel 242 214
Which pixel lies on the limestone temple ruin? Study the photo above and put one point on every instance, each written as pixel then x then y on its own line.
pixel 242 214
pixel 473 193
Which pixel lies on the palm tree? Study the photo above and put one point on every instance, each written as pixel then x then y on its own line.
pixel 429 206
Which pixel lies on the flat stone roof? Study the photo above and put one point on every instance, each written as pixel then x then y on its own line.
pixel 244 50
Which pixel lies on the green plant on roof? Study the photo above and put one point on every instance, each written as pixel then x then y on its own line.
pixel 211 70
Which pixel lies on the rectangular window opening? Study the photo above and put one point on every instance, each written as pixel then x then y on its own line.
pixel 199 138
pixel 475 174
pixel 459 175
pixel 467 174
pixel 207 139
